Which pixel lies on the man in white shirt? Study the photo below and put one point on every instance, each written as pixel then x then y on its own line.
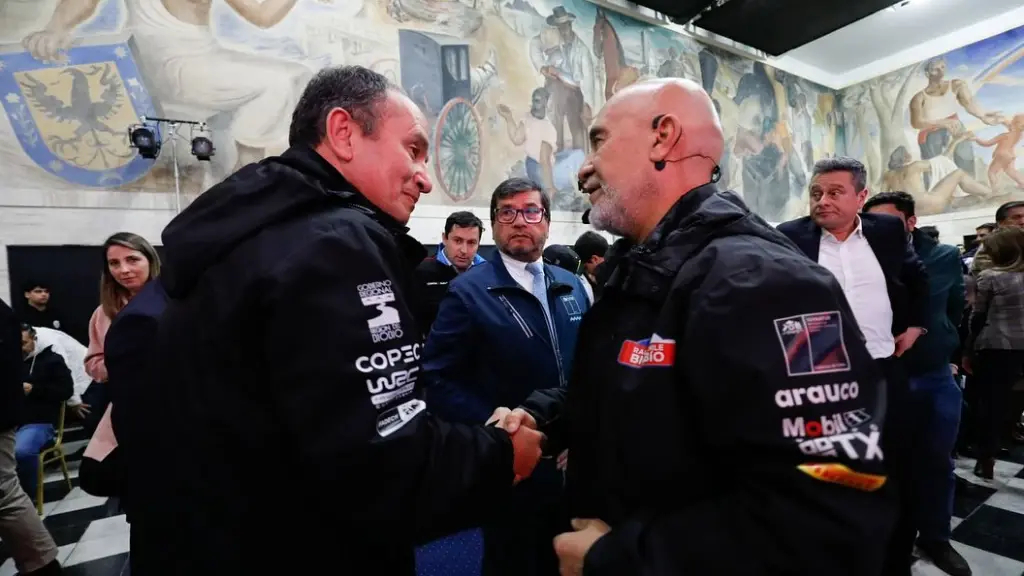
pixel 887 287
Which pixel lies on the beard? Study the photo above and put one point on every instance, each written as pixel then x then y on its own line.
pixel 613 214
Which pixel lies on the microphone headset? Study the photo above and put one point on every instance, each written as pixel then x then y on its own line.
pixel 659 165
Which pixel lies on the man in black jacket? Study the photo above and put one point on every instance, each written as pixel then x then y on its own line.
pixel 288 356
pixel 21 529
pixel 47 383
pixel 723 414
pixel 457 253
pixel 887 286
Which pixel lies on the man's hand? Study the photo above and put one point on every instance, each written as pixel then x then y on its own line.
pixel 966 363
pixel 81 410
pixel 511 420
pixel 572 547
pixel 27 387
pixel 906 340
pixel 528 447
pixel 954 369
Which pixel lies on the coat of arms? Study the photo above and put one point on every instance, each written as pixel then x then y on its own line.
pixel 72 118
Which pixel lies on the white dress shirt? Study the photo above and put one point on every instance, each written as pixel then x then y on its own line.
pixel 854 264
pixel 518 271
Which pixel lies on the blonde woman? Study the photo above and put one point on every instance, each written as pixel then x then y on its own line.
pixel 129 263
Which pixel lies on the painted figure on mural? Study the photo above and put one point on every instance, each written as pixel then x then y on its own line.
pixel 565 61
pixel 947 180
pixel 191 74
pixel 935 113
pixel 1004 157
pixel 536 134
pixel 608 49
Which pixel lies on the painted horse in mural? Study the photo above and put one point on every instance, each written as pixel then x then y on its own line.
pixel 608 47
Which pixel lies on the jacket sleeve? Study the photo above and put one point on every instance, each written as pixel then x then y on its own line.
pixel 979 315
pixel 95 365
pixel 548 408
pixel 344 389
pixel 790 404
pixel 127 350
pixel 915 278
pixel 447 357
pixel 54 383
pixel 957 295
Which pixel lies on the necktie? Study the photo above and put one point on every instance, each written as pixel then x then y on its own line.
pixel 540 290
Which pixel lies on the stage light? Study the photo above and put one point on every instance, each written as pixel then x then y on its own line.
pixel 145 141
pixel 202 148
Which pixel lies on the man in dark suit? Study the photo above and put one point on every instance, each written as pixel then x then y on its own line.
pixel 887 287
pixel 935 397
pixel 127 351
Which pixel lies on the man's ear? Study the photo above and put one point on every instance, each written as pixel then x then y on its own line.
pixel 912 222
pixel 668 132
pixel 340 128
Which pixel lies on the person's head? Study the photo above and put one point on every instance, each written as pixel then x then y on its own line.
pixel 899 204
pixel 370 132
pixel 935 69
pixel 562 256
pixel 1010 214
pixel 930 231
pixel 899 158
pixel 521 218
pixel 1005 247
pixel 461 238
pixel 37 294
pixel 650 143
pixel 591 248
pixel 982 231
pixel 28 340
pixel 1017 122
pixel 838 190
pixel 539 103
pixel 129 261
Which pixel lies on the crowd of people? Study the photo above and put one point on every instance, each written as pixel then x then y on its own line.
pixel 709 394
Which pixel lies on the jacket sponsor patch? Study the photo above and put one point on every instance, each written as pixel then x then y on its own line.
pixel 842 475
pixel 813 343
pixel 653 352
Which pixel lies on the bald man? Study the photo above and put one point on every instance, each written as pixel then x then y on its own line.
pixel 723 414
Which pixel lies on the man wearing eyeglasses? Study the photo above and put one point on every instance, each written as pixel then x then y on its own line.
pixel 506 328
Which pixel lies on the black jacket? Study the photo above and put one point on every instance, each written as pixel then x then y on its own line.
pixel 287 368
pixel 12 393
pixel 906 278
pixel 720 384
pixel 127 352
pixel 52 385
pixel 432 277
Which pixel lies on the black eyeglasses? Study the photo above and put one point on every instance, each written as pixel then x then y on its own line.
pixel 508 215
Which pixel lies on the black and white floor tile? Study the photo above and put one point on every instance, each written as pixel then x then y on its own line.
pixel 988 523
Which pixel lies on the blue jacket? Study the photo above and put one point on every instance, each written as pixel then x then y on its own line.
pixel 490 345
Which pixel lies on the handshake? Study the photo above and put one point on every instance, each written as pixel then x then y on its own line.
pixel 527 442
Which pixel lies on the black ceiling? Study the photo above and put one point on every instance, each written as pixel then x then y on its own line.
pixel 771 26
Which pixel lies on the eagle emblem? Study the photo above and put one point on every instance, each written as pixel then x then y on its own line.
pixel 73 119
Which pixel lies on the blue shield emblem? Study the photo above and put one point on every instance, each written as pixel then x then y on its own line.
pixel 72 118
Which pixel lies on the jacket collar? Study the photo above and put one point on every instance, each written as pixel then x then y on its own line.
pixel 443 258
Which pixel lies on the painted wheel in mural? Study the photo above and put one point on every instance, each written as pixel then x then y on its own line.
pixel 457 149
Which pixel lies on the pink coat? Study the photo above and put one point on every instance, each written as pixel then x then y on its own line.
pixel 103 441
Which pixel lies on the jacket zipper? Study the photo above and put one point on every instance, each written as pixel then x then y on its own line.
pixel 529 333
pixel 515 314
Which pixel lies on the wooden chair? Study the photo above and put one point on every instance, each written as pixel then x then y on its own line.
pixel 54 452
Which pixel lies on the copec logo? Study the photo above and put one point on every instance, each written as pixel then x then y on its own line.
pixel 390 360
pixel 823 394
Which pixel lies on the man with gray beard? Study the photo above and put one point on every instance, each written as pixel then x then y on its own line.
pixel 723 414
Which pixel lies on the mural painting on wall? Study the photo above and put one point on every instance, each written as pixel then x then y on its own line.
pixel 944 129
pixel 510 88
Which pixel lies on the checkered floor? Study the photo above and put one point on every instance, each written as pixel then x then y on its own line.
pixel 988 527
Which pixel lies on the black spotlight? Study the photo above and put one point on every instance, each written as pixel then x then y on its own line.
pixel 145 140
pixel 202 148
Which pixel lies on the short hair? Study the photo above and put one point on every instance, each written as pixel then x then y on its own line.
pixel 590 244
pixel 33 284
pixel 843 164
pixel 901 200
pixel 1003 212
pixel 930 231
pixel 356 89
pixel 896 159
pixel 989 226
pixel 513 186
pixel 542 91
pixel 463 219
pixel 25 327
